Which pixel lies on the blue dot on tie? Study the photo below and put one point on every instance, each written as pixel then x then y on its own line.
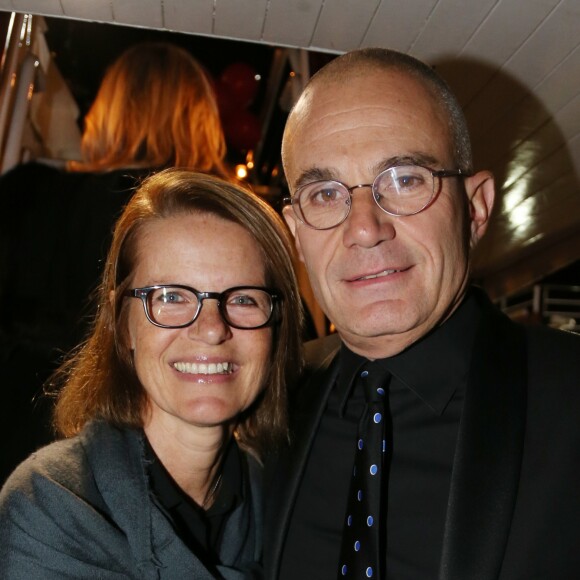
pixel 369 572
pixel 381 391
pixel 370 521
pixel 373 469
pixel 360 444
pixel 344 570
pixel 359 495
pixel 349 521
pixel 376 418
pixel 364 374
pixel 357 546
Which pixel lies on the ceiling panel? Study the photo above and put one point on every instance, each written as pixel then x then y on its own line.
pixel 138 13
pixel 242 19
pixel 87 10
pixel 187 16
pixel 291 22
pixel 399 28
pixel 341 28
pixel 506 27
pixel 442 35
pixel 52 7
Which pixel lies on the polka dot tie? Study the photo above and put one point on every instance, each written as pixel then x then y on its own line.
pixel 360 552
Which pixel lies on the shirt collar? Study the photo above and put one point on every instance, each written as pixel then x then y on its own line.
pixel 434 367
pixel 230 492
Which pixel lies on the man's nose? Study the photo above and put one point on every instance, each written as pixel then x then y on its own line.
pixel 367 224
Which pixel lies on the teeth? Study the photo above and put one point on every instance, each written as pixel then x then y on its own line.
pixel 379 275
pixel 203 369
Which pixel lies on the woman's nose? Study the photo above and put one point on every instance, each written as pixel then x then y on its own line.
pixel 210 325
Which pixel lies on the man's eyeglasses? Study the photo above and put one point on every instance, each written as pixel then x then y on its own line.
pixel 401 190
pixel 177 306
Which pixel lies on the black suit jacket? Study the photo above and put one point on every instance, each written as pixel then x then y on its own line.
pixel 514 501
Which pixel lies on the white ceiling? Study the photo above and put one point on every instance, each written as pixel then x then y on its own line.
pixel 515 65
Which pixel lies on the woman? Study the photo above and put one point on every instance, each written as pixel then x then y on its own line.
pixel 169 404
pixel 155 108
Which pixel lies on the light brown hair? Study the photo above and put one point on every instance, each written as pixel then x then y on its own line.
pixel 155 108
pixel 100 382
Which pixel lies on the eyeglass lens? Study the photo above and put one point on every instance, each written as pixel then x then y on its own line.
pixel 240 307
pixel 400 190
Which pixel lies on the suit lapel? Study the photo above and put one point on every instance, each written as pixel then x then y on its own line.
pixel 488 457
pixel 285 473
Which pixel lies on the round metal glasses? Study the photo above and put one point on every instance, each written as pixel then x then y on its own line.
pixel 178 306
pixel 401 190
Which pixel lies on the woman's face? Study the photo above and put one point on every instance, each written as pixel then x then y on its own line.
pixel 178 368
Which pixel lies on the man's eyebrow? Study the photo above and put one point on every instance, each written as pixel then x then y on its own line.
pixel 412 159
pixel 313 174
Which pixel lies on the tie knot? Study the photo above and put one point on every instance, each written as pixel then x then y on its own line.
pixel 375 381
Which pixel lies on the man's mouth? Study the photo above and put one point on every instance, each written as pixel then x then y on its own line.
pixel 222 368
pixel 378 275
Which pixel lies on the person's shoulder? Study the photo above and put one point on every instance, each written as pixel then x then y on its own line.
pixel 557 350
pixel 33 168
pixel 320 358
pixel 62 462
pixel 320 351
pixel 70 462
pixel 25 178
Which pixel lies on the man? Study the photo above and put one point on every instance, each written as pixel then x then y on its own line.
pixel 482 476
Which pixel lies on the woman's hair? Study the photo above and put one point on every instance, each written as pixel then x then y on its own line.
pixel 100 381
pixel 155 108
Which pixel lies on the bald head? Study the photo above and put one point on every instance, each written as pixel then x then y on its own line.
pixel 369 61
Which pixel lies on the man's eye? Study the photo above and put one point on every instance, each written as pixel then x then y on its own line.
pixel 325 195
pixel 410 181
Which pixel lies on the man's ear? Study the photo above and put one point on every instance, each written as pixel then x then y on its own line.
pixel 480 190
pixel 292 223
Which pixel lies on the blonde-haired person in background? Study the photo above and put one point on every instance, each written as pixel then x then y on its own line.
pixel 169 405
pixel 155 109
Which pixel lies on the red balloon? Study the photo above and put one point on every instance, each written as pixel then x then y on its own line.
pixel 243 130
pixel 239 78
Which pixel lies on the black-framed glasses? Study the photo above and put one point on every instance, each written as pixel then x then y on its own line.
pixel 401 190
pixel 178 306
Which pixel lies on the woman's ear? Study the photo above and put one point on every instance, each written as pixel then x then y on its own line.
pixel 480 189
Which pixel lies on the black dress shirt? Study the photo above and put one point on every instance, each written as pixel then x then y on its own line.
pixel 200 530
pixel 426 396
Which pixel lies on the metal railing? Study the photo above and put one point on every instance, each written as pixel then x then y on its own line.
pixel 18 73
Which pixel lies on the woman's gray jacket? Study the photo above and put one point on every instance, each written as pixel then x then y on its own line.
pixel 82 508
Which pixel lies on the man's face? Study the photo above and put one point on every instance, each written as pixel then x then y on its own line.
pixel 383 281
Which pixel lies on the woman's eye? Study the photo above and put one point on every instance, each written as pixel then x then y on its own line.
pixel 172 297
pixel 242 300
